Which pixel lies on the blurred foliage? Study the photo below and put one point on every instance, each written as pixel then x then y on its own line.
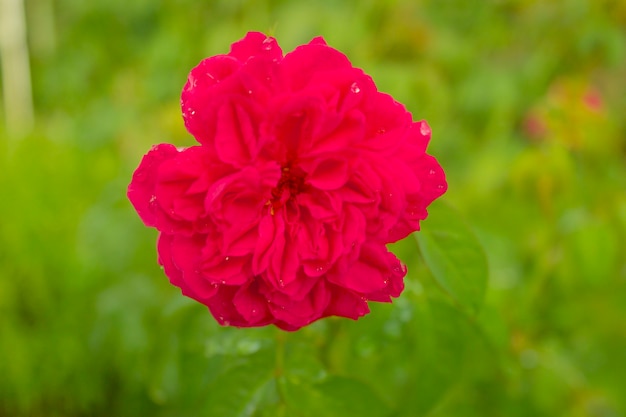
pixel 526 99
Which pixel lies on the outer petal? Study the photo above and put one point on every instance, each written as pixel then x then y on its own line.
pixel 345 303
pixel 252 306
pixel 370 273
pixel 229 270
pixel 180 186
pixel 180 259
pixel 383 115
pixel 394 281
pixel 164 250
pixel 208 84
pixel 223 308
pixel 187 257
pixel 141 191
pixel 305 61
pixel 256 44
pixel 298 313
pixel 432 178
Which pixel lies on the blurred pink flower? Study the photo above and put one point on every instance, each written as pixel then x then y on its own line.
pixel 303 174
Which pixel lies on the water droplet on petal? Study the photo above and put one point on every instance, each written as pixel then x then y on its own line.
pixel 441 186
pixel 267 44
pixel 425 129
pixel 153 198
pixel 226 323
pixel 355 88
pixel 250 92
pixel 191 80
pixel 227 258
pixel 432 172
pixel 281 283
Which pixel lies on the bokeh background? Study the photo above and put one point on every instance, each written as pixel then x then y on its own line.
pixel 527 103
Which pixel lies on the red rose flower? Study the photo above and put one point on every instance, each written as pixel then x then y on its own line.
pixel 303 174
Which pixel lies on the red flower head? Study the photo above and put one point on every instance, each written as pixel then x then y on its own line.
pixel 303 174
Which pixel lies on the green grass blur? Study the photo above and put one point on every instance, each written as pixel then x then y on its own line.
pixel 527 103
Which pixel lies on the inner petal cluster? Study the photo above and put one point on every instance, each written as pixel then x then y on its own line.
pixel 291 183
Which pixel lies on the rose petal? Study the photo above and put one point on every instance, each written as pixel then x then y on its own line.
pixel 186 256
pixel 298 313
pixel 223 308
pixel 345 303
pixel 141 190
pixel 329 173
pixel 300 65
pixel 235 135
pixel 256 44
pixel 252 306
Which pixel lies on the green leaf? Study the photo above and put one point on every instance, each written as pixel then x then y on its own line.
pixel 335 396
pixel 440 356
pixel 454 256
pixel 239 389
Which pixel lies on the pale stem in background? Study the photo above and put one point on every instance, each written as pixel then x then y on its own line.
pixel 16 82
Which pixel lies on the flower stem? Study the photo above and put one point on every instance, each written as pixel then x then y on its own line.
pixel 279 367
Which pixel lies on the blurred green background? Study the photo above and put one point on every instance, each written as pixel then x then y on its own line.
pixel 526 100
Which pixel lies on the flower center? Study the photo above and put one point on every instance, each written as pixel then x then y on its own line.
pixel 291 183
